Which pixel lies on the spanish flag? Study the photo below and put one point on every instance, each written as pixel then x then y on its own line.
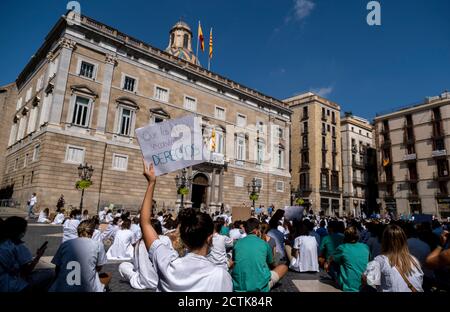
pixel 200 37
pixel 210 44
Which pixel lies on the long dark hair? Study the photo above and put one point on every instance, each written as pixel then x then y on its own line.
pixel 195 228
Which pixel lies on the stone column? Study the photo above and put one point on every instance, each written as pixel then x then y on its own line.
pixel 67 47
pixel 221 187
pixel 212 200
pixel 110 63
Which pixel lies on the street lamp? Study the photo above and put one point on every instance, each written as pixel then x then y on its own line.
pixel 253 190
pixel 85 174
pixel 183 183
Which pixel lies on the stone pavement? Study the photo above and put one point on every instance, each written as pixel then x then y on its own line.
pixel 37 234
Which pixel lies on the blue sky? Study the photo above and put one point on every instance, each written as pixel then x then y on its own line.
pixel 278 47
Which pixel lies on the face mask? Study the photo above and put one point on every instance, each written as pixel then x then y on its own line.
pixel 78 217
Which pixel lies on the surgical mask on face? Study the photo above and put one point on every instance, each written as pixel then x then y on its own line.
pixel 78 217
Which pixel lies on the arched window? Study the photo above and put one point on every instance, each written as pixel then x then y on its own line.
pixel 185 41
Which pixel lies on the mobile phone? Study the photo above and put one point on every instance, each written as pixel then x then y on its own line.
pixel 44 245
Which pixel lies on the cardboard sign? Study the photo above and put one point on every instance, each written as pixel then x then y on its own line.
pixel 173 144
pixel 240 213
pixel 293 213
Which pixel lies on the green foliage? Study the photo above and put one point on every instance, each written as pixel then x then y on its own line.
pixel 83 184
pixel 254 197
pixel 299 201
pixel 183 191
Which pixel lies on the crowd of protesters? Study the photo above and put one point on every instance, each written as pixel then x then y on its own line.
pixel 199 252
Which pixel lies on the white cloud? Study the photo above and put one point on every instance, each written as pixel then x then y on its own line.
pixel 303 8
pixel 324 91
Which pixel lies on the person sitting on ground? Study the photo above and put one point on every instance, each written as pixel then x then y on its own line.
pixel 142 273
pixel 374 241
pixel 85 215
pixel 395 270
pixel 218 250
pixel 352 258
pixel 90 256
pixel 110 232
pixel 253 260
pixel 275 221
pixel 193 272
pixel 70 226
pixel 97 236
pixel 109 216
pixel 122 246
pixel 329 244
pixel 303 256
pixel 322 230
pixel 60 217
pixel 236 232
pixel 102 214
pixel 44 216
pixel 136 229
pixel 264 228
pixel 18 272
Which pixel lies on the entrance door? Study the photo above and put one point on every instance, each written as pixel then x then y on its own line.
pixel 199 189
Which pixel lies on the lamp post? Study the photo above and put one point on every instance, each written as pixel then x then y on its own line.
pixel 85 174
pixel 182 182
pixel 253 190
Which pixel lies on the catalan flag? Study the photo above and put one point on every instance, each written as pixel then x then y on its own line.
pixel 200 38
pixel 213 140
pixel 210 44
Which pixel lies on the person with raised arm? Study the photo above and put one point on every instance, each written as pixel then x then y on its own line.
pixel 193 272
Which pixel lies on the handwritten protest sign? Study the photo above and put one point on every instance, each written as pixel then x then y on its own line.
pixel 172 145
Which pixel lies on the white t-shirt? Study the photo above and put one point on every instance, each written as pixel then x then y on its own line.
pixel 10 262
pixel 122 248
pixel 218 253
pixel 59 219
pixel 43 218
pixel 70 229
pixel 191 273
pixel 97 236
pixel 110 232
pixel 89 254
pixel 136 229
pixel 102 215
pixel 109 217
pixel 388 278
pixel 33 200
pixel 235 234
pixel 306 260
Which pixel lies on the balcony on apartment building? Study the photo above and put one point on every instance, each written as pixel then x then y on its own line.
pixel 358 164
pixel 441 176
pixel 333 191
pixel 410 157
pixel 413 196
pixel 333 120
pixel 324 117
pixel 411 178
pixel 305 188
pixel 408 137
pixel 359 181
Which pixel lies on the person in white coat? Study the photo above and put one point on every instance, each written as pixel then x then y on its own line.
pixel 193 272
pixel 136 229
pixel 303 257
pixel 141 274
pixel 43 216
pixel 70 226
pixel 122 247
pixel 218 251
pixel 60 217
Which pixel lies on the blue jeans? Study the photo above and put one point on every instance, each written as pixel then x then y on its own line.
pixel 30 210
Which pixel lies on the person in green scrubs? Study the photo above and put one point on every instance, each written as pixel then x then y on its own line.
pixel 352 258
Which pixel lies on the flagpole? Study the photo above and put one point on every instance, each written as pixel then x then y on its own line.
pixel 196 54
pixel 209 63
pixel 209 54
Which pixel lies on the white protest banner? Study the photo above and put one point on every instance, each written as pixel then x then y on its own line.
pixel 173 144
pixel 293 213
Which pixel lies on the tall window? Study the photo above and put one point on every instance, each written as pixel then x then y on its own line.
pixel 36 152
pixel 185 41
pixel 87 69
pixel 75 154
pixel 305 141
pixel 260 153
pixel 305 112
pixel 120 162
pixel 240 148
pixel 260 126
pixel 125 120
pixel 219 113
pixel 190 103
pixel 241 120
pixel 280 158
pixel 129 84
pixel 305 127
pixel 280 186
pixel 161 94
pixel 305 158
pixel 219 141
pixel 81 112
pixel 324 181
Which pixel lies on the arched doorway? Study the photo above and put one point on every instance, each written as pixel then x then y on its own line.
pixel 199 190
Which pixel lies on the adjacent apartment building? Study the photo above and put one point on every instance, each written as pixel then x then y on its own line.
pixel 89 86
pixel 358 171
pixel 413 146
pixel 316 153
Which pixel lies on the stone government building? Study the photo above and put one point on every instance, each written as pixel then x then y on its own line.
pixel 89 86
